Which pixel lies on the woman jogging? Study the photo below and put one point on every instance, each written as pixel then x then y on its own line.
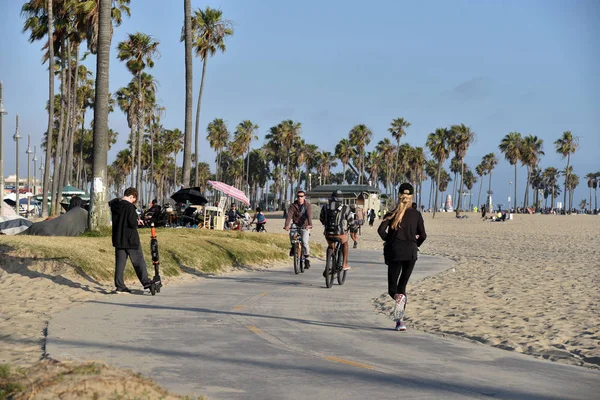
pixel 403 232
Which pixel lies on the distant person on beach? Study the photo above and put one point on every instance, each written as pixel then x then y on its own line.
pixel 403 231
pixel 126 240
pixel 371 217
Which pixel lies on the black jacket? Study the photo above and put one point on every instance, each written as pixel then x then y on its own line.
pixel 402 244
pixel 124 224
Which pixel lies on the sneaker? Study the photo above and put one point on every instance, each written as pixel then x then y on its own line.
pixel 292 252
pixel 325 274
pixel 306 263
pixel 346 267
pixel 123 290
pixel 355 245
pixel 400 326
pixel 400 304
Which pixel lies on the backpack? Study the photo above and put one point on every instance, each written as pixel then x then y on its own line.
pixel 333 219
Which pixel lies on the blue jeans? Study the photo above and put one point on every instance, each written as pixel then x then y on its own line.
pixel 304 234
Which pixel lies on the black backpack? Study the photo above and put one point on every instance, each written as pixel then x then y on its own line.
pixel 333 221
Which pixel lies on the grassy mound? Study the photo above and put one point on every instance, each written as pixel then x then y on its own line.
pixel 190 251
pixel 49 379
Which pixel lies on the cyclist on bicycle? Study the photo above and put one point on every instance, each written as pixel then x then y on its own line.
pixel 300 214
pixel 232 217
pixel 260 219
pixel 336 217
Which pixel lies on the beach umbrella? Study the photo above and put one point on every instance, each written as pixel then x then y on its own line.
pixel 230 191
pixel 193 195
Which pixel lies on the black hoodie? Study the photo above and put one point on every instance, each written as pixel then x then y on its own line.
pixel 124 224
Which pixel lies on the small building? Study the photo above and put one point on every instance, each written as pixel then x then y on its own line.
pixel 364 196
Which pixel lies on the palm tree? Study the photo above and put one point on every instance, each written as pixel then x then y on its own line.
pixel 531 150
pixel 138 51
pixel 417 164
pixel 326 162
pixel 481 170
pixel 572 184
pixel 187 141
pixel 387 152
pixel 209 32
pixel 461 140
pixel 511 147
pixel 455 169
pixel 218 137
pixel 431 171
pixel 550 176
pixel 596 181
pixel 99 215
pixel 289 132
pixel 469 180
pixel 566 145
pixel 344 151
pixel 490 162
pixel 591 179
pixel 437 142
pixel 360 136
pixel 397 129
pixel 244 134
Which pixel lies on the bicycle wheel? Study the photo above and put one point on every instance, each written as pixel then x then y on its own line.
pixel 341 274
pixel 329 268
pixel 296 259
pixel 301 260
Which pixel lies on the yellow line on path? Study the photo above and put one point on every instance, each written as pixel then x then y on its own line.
pixel 263 294
pixel 238 308
pixel 348 362
pixel 254 329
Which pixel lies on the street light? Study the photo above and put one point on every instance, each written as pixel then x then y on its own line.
pixel 16 138
pixel 2 113
pixel 34 159
pixel 310 181
pixel 28 152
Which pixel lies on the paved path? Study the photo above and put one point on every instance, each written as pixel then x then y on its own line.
pixel 276 335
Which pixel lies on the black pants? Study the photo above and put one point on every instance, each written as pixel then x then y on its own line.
pixel 402 270
pixel 139 264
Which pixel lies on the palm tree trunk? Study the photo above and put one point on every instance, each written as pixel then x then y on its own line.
pixel 515 198
pixel 140 133
pixel 79 169
pixel 46 184
pixel 460 190
pixel 344 171
pixel 526 197
pixel 67 126
pixel 187 141
pixel 99 215
pixel 197 131
pixel 480 187
pixel 74 113
pixel 566 181
pixel 56 174
pixel 437 182
pixel 596 198
pixel 132 151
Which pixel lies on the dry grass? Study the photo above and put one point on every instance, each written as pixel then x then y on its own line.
pixel 49 379
pixel 181 251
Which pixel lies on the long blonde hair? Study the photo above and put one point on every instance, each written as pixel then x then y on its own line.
pixel 396 217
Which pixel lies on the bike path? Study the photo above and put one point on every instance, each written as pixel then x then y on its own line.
pixel 275 335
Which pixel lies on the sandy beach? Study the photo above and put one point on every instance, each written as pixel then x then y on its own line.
pixel 528 285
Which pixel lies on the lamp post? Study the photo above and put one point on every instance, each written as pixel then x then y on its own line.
pixel 28 152
pixel 310 181
pixel 16 138
pixel 2 113
pixel 42 173
pixel 34 159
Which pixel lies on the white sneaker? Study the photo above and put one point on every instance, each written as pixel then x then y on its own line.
pixel 399 307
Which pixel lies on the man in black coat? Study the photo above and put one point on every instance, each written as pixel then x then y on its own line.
pixel 126 240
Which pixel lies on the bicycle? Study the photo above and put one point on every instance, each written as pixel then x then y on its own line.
pixel 257 229
pixel 334 264
pixel 296 234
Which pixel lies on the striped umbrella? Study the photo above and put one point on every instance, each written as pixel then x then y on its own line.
pixel 230 191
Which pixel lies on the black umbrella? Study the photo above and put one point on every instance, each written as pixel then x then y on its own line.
pixel 193 195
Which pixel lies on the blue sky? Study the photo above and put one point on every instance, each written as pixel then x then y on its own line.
pixel 497 66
